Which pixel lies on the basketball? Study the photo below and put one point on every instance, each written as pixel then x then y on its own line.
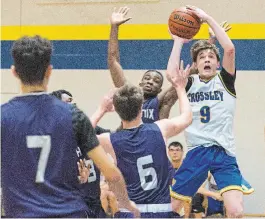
pixel 184 23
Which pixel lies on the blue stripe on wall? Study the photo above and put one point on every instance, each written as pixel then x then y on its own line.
pixel 136 54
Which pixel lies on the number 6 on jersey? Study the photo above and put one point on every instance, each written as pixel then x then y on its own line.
pixel 147 172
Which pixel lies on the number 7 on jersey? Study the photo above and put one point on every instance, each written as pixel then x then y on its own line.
pixel 43 142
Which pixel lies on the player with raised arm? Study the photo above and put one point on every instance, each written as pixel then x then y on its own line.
pixel 157 103
pixel 139 149
pixel 39 137
pixel 210 136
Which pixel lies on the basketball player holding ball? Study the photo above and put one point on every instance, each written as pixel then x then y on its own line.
pixel 210 137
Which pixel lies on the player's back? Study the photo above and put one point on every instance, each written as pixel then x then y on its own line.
pixel 39 170
pixel 142 158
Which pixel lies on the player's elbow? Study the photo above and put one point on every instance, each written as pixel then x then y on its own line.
pixel 111 61
pixel 230 49
pixel 112 58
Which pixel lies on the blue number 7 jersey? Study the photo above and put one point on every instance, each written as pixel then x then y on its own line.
pixel 39 161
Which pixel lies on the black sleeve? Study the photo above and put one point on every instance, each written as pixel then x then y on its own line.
pixel 100 130
pixel 190 81
pixel 84 132
pixel 228 81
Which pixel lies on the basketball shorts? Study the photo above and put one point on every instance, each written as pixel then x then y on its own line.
pixel 194 171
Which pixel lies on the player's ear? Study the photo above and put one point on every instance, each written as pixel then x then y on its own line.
pixel 14 72
pixel 218 64
pixel 48 72
pixel 141 84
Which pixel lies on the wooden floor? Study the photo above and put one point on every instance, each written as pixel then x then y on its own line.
pixel 255 215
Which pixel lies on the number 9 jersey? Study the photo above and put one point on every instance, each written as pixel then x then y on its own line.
pixel 213 105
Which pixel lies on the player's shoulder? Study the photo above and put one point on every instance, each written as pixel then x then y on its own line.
pixel 228 81
pixel 5 107
pixel 224 74
pixel 8 109
pixel 78 116
pixel 150 126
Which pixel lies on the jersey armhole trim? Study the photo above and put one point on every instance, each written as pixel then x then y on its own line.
pixel 228 91
pixel 192 80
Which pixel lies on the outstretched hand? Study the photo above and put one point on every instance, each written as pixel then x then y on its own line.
pixel 199 12
pixel 83 171
pixel 118 17
pixel 225 25
pixel 178 78
pixel 107 102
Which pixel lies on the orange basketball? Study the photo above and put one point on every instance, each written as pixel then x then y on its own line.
pixel 184 23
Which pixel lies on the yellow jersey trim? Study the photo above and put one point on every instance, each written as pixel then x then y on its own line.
pixel 180 197
pixel 228 188
pixel 247 191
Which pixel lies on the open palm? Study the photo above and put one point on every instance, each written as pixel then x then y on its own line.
pixel 119 17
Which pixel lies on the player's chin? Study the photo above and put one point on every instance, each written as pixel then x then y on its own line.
pixel 149 92
pixel 207 74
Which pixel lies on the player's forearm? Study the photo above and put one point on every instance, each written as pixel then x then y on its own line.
pixel 96 117
pixel 206 192
pixel 220 34
pixel 116 70
pixel 119 189
pixel 184 105
pixel 174 59
pixel 113 47
pixel 212 40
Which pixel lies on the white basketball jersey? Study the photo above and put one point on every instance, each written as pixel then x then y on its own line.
pixel 213 108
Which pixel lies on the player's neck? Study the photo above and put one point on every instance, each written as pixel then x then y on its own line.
pixel 205 78
pixel 33 88
pixel 132 124
pixel 176 164
pixel 146 97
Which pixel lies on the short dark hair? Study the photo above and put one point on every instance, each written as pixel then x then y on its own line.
pixel 58 93
pixel 200 45
pixel 128 101
pixel 32 56
pixel 176 144
pixel 158 72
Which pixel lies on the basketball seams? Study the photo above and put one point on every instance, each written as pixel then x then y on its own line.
pixel 183 24
pixel 196 18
